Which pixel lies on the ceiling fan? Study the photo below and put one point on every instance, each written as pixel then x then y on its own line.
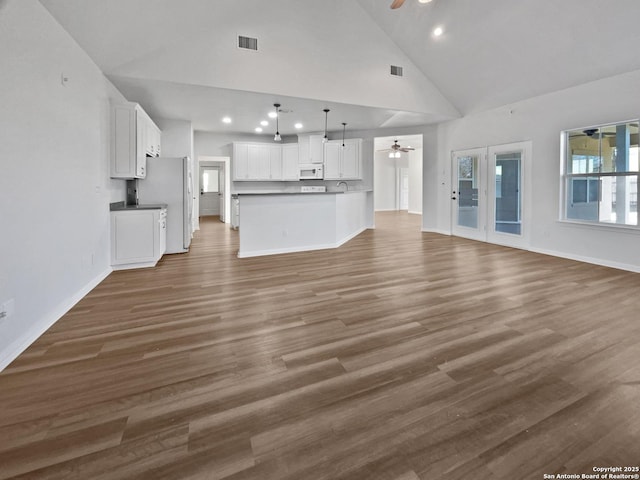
pixel 396 148
pixel 596 133
pixel 398 3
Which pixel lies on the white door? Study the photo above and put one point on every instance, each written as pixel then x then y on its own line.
pixel 221 196
pixel 489 193
pixel 507 169
pixel 468 193
pixel 209 191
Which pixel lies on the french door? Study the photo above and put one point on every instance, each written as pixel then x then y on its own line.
pixel 469 193
pixel 489 193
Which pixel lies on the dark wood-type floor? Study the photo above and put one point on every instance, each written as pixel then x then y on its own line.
pixel 401 355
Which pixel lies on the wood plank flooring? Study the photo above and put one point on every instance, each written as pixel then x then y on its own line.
pixel 401 355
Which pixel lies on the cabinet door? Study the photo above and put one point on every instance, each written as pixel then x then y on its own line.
pixel 240 161
pixel 123 142
pixel 350 165
pixel 162 220
pixel 275 162
pixel 290 170
pixel 332 152
pixel 316 151
pixel 152 139
pixel 259 162
pixel 134 237
pixel 141 145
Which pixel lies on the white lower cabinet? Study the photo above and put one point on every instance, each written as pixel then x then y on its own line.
pixel 138 237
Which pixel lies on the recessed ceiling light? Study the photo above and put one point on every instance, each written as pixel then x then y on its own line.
pixel 273 114
pixel 226 120
pixel 264 123
pixel 298 126
pixel 424 1
pixel 438 31
pixel 258 129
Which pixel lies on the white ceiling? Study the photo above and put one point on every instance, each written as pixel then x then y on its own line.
pixel 179 59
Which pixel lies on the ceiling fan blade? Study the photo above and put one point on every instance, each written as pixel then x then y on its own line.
pixel 406 149
pixel 396 4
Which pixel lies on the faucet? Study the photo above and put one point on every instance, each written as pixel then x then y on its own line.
pixel 346 185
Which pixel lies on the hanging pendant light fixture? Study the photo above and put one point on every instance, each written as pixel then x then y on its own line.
pixel 325 139
pixel 344 126
pixel 277 137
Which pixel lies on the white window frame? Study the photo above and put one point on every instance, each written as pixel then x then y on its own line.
pixel 565 177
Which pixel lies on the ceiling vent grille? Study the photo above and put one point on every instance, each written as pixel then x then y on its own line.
pixel 247 43
pixel 396 71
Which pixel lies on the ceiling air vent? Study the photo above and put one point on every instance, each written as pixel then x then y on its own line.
pixel 395 70
pixel 247 43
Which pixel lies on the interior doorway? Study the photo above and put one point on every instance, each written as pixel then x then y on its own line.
pixel 210 192
pixel 397 173
pixel 214 173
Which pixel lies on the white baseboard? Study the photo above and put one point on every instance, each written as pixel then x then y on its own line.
pixel 279 251
pixel 33 333
pixel 592 260
pixel 350 237
pixel 436 230
pixel 415 213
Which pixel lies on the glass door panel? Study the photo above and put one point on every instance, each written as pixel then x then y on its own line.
pixel 509 171
pixel 507 193
pixel 467 193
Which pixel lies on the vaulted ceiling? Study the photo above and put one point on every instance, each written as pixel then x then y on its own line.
pixel 179 59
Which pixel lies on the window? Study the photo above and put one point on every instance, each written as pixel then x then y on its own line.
pixel 601 174
pixel 210 180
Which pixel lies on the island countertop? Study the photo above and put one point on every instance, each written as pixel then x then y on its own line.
pixel 274 222
pixel 275 192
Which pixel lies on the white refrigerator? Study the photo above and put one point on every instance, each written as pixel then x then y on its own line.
pixel 169 181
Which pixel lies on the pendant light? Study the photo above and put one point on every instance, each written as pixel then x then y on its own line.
pixel 325 139
pixel 344 126
pixel 277 137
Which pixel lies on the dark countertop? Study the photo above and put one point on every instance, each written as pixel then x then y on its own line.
pixel 334 192
pixel 119 206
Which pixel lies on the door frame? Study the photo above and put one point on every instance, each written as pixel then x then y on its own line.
pixel 220 170
pixel 486 194
pixel 525 149
pixel 478 233
pixel 206 160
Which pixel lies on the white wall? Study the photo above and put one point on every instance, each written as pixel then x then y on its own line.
pixel 415 181
pixel 177 137
pixel 541 120
pixel 384 182
pixel 54 173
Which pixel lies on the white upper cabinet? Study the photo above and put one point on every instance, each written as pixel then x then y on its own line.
pixel 280 162
pixel 257 162
pixel 134 136
pixel 240 161
pixel 310 149
pixel 343 163
pixel 316 152
pixel 290 170
pixel 275 162
pixel 332 152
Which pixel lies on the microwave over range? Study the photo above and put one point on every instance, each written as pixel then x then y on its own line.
pixel 311 171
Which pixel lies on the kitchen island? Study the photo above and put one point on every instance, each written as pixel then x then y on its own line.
pixel 279 222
